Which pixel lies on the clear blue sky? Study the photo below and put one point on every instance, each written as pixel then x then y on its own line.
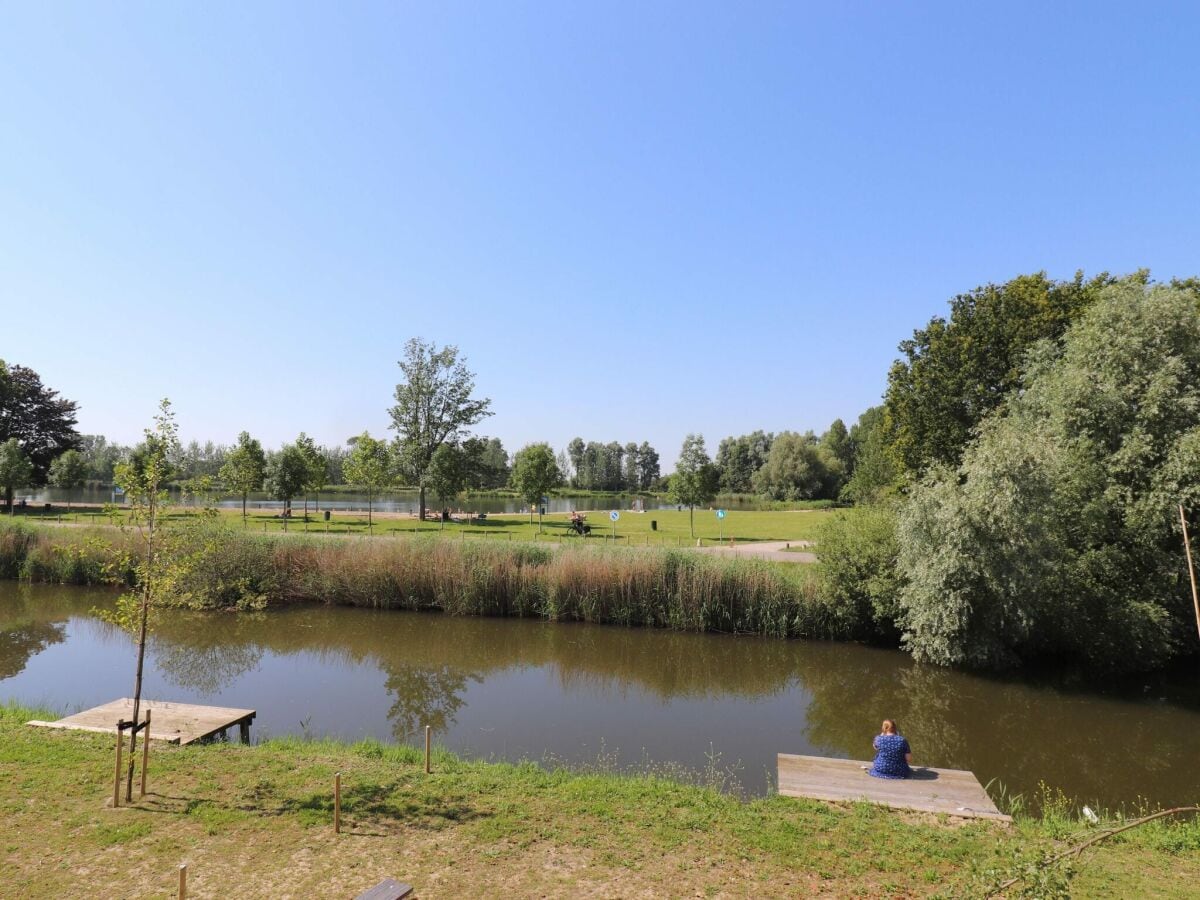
pixel 636 220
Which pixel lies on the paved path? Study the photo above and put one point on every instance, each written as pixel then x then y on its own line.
pixel 772 550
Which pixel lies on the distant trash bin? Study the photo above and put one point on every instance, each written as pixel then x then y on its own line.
pixel 326 515
pixel 541 510
pixel 654 524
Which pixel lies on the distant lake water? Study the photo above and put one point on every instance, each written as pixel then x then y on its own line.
pixel 518 689
pixel 393 501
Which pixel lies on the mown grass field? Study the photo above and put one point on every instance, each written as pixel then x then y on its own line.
pixel 257 822
pixel 633 529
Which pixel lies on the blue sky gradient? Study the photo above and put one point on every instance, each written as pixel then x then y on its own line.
pixel 636 220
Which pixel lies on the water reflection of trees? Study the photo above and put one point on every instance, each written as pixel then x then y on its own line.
pixel 21 642
pixel 425 696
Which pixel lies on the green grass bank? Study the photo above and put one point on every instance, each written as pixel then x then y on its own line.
pixel 229 569
pixel 257 822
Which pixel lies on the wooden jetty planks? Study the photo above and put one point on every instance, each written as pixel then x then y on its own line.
pixel 950 791
pixel 176 723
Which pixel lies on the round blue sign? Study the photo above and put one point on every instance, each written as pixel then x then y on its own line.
pixel 720 513
pixel 614 515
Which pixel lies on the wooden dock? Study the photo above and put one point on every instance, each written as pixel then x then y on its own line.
pixel 176 723
pixel 949 791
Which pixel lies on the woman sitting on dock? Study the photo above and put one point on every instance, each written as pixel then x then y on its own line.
pixel 892 753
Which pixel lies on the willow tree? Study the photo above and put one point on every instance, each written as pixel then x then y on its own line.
pixel 144 477
pixel 434 406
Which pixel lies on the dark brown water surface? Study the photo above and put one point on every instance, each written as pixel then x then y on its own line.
pixel 511 689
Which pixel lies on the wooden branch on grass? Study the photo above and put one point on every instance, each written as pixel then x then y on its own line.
pixel 1102 836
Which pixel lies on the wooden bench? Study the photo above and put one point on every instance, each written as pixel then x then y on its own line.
pixel 388 889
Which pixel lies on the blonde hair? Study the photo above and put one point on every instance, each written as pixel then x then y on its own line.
pixel 890 727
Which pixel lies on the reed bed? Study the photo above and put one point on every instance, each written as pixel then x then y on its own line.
pixel 664 588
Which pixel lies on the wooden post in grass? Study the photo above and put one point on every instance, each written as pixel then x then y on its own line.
pixel 145 753
pixel 183 882
pixel 117 777
pixel 337 803
pixel 427 730
pixel 1187 549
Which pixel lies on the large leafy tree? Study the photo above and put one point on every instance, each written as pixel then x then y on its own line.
pixel 286 475
pixel 16 469
pixel 797 468
pixel 534 473
pixel 1059 533
pixel 370 466
pixel 648 470
pixel 42 422
pixel 245 468
pixel 69 472
pixel 955 371
pixel 695 480
pixel 434 405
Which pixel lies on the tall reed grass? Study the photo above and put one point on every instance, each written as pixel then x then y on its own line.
pixel 678 589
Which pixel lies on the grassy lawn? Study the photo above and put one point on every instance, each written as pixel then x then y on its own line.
pixel 257 822
pixel 632 529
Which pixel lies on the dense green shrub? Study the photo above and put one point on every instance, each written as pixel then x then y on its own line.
pixel 1059 533
pixel 857 569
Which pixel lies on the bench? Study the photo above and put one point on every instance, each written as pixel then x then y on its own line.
pixel 388 889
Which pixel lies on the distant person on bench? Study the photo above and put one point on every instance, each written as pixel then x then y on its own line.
pixel 892 753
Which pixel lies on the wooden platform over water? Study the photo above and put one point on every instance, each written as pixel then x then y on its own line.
pixel 949 791
pixel 176 723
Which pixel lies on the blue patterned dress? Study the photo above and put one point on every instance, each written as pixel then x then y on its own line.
pixel 889 757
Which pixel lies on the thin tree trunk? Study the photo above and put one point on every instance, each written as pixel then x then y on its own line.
pixel 137 682
pixel 692 519
pixel 422 501
pixel 244 507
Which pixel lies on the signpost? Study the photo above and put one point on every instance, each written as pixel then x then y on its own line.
pixel 614 515
pixel 721 525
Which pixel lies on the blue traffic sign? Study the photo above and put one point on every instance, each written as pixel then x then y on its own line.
pixel 720 513
pixel 614 515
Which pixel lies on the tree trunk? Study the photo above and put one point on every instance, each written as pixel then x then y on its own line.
pixel 422 501
pixel 137 681
pixel 306 506
pixel 244 507
pixel 370 520
pixel 8 498
pixel 539 520
pixel 692 519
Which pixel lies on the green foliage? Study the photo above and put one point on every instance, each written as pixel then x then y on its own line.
pixel 369 466
pixel 799 467
pixel 955 372
pixel 873 474
pixel 245 467
pixel 534 473
pixel 858 575
pixel 69 471
pixel 41 422
pixel 447 473
pixel 433 406
pixel 1058 533
pixel 695 480
pixel 16 468
pixel 739 458
pixel 287 473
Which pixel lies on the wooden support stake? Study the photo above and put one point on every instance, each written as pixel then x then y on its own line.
pixel 427 749
pixel 183 882
pixel 1187 549
pixel 145 753
pixel 337 803
pixel 117 776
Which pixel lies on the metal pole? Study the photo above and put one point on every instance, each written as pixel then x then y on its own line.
pixel 1187 549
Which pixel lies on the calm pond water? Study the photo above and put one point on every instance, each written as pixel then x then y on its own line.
pixel 511 689
pixel 393 501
